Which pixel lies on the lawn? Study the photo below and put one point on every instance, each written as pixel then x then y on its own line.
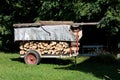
pixel 87 68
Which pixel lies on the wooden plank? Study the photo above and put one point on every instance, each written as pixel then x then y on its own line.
pixel 27 25
pixel 56 22
pixel 85 23
pixel 40 23
pixel 37 24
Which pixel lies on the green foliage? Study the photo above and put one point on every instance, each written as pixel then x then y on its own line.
pixel 5 31
pixel 21 11
pixel 5 23
pixel 55 10
pixel 118 45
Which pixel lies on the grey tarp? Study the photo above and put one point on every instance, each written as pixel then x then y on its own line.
pixel 49 32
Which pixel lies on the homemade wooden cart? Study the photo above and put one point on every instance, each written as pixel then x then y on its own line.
pixel 48 39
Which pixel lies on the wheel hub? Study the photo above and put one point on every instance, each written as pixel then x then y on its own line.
pixel 31 59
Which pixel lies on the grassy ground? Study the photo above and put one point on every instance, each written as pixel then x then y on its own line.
pixel 94 68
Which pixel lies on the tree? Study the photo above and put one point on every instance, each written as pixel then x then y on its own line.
pixel 104 11
pixel 21 11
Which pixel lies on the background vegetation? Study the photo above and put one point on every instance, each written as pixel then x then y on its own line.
pixel 107 12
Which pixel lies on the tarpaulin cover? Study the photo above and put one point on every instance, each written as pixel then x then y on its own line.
pixel 49 32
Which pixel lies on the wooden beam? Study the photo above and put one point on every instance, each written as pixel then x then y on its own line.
pixel 85 23
pixel 37 24
pixel 26 25
pixel 56 22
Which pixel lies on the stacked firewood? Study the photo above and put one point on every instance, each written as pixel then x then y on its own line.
pixel 52 47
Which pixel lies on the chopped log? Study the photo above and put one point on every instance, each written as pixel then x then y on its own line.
pixel 26 45
pixel 47 48
pixel 66 50
pixel 73 44
pixel 26 49
pixel 54 52
pixel 34 47
pixel 31 42
pixel 45 51
pixel 21 47
pixel 50 51
pixel 22 52
pixel 74 48
pixel 53 43
pixel 57 52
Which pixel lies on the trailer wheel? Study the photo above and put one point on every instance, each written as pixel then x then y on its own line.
pixel 32 57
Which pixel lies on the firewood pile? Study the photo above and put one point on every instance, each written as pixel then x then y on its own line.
pixel 52 47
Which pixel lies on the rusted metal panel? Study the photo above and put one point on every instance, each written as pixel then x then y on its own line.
pixel 56 32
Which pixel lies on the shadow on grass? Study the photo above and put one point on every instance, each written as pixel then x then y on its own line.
pixel 56 61
pixel 104 67
pixel 21 60
pixel 48 61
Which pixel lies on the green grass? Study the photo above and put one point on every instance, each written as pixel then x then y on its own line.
pixel 94 68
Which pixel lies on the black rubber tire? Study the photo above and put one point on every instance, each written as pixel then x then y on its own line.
pixel 32 57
